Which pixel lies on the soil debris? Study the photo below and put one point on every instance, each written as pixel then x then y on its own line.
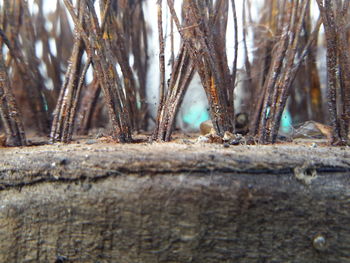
pixel 313 129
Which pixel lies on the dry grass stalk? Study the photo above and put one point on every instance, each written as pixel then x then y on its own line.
pixel 335 20
pixel 172 96
pixel 209 56
pixel 9 113
pixel 285 62
pixel 54 83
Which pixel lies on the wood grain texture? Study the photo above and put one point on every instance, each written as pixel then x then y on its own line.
pixel 174 203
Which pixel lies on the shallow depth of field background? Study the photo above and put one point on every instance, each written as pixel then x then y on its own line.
pixel 194 108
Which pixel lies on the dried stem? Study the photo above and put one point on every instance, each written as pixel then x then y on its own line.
pixel 209 58
pixel 9 112
pixel 338 63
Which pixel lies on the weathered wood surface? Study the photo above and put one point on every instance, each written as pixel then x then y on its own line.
pixel 174 203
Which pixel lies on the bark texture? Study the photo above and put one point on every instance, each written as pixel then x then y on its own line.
pixel 174 203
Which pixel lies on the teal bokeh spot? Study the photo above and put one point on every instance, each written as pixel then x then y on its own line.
pixel 267 112
pixel 286 122
pixel 46 106
pixel 195 115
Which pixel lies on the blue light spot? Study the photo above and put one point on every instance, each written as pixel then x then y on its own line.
pixel 195 115
pixel 286 122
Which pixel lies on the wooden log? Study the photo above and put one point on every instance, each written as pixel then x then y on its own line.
pixel 174 203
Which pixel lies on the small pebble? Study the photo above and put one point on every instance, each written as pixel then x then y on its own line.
pixel 313 145
pixel 206 127
pixel 235 142
pixel 91 141
pixel 226 145
pixel 61 259
pixel 202 139
pixel 186 141
pixel 319 243
pixel 63 161
pixel 228 136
